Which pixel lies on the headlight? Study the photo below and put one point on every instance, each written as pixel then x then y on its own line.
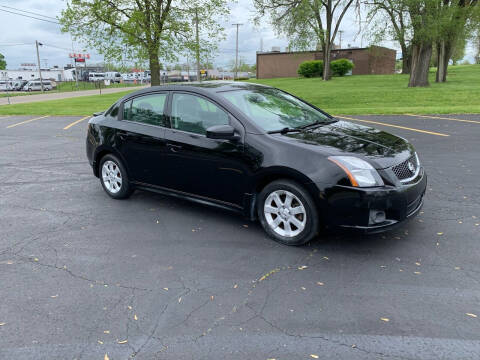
pixel 360 172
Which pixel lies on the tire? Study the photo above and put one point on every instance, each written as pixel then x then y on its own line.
pixel 289 228
pixel 113 177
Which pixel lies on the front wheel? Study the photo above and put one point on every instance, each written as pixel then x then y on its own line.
pixel 287 213
pixel 113 177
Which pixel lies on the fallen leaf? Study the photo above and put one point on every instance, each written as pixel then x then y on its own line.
pixel 35 259
pixel 9 262
pixel 106 331
pixel 166 289
pixel 439 233
pixel 54 296
pixel 326 258
pixel 457 267
pixel 1 324
pixel 135 317
pixel 472 315
pixel 314 356
pixel 212 297
pixel 122 342
pixel 106 357
pixel 304 288
pixel 245 226
pixel 320 283
pixel 385 319
pixel 354 346
pixel 303 267
pixel 417 272
pixel 180 299
pixel 235 286
pixel 100 342
pixel 129 307
pixel 418 264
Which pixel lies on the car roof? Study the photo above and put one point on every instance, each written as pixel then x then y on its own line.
pixel 205 87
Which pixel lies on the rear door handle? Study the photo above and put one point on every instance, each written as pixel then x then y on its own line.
pixel 174 148
pixel 122 135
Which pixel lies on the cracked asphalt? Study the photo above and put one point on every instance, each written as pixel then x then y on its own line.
pixel 83 276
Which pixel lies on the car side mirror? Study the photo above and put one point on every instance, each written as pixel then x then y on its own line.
pixel 222 132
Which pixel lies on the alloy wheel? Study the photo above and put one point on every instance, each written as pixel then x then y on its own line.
pixel 285 214
pixel 111 176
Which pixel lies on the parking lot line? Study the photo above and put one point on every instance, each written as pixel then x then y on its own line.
pixel 395 126
pixel 444 118
pixel 75 122
pixel 27 121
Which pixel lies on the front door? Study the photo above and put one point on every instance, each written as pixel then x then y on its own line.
pixel 209 168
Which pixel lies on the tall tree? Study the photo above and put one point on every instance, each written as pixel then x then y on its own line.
pixel 307 21
pixel 3 63
pixel 143 29
pixel 455 18
pixel 389 18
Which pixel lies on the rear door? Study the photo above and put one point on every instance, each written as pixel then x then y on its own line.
pixel 140 137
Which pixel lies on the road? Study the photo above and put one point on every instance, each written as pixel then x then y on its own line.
pixel 61 95
pixel 83 276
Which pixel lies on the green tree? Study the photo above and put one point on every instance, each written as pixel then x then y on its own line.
pixel 3 63
pixel 142 29
pixel 389 19
pixel 307 21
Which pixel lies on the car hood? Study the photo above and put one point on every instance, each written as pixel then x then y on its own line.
pixel 343 138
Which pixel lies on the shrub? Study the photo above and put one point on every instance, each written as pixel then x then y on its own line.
pixel 311 68
pixel 341 67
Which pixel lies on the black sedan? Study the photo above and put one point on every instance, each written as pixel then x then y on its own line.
pixel 259 151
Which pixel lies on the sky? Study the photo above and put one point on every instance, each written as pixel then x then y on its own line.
pixel 18 35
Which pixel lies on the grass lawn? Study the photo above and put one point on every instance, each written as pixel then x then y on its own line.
pixel 389 94
pixel 84 105
pixel 69 86
pixel 359 95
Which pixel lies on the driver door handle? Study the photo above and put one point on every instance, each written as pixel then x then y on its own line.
pixel 174 148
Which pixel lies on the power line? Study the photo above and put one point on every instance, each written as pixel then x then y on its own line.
pixel 31 17
pixel 28 12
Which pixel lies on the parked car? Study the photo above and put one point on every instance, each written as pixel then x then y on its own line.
pixel 37 85
pixel 96 76
pixel 259 151
pixel 19 85
pixel 113 76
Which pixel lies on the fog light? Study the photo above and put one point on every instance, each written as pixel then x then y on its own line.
pixel 376 217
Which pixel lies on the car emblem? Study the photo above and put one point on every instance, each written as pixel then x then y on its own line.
pixel 411 167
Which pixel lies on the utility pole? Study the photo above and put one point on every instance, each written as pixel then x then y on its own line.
pixel 341 33
pixel 197 47
pixel 236 54
pixel 76 70
pixel 38 60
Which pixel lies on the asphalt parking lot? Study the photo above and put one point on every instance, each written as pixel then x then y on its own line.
pixel 87 277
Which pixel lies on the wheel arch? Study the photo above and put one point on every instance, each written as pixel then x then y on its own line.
pixel 269 175
pixel 100 152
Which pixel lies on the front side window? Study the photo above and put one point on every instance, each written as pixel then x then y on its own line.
pixel 147 109
pixel 273 109
pixel 195 114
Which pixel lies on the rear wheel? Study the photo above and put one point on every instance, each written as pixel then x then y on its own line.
pixel 287 213
pixel 113 177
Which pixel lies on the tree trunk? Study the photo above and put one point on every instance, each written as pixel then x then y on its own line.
pixel 154 67
pixel 440 62
pixel 326 62
pixel 421 55
pixel 407 59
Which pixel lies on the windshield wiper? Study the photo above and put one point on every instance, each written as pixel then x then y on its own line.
pixel 283 131
pixel 316 123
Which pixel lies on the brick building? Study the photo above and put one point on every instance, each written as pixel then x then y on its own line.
pixel 371 60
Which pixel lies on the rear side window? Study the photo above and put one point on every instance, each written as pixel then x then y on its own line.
pixel 147 109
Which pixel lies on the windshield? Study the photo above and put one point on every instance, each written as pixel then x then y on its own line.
pixel 273 109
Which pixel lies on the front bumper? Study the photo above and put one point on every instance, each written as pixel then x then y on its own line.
pixel 350 207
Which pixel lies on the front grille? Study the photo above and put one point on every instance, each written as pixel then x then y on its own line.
pixel 406 169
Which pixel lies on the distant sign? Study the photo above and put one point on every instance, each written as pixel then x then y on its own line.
pixel 28 64
pixel 79 56
pixel 79 60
